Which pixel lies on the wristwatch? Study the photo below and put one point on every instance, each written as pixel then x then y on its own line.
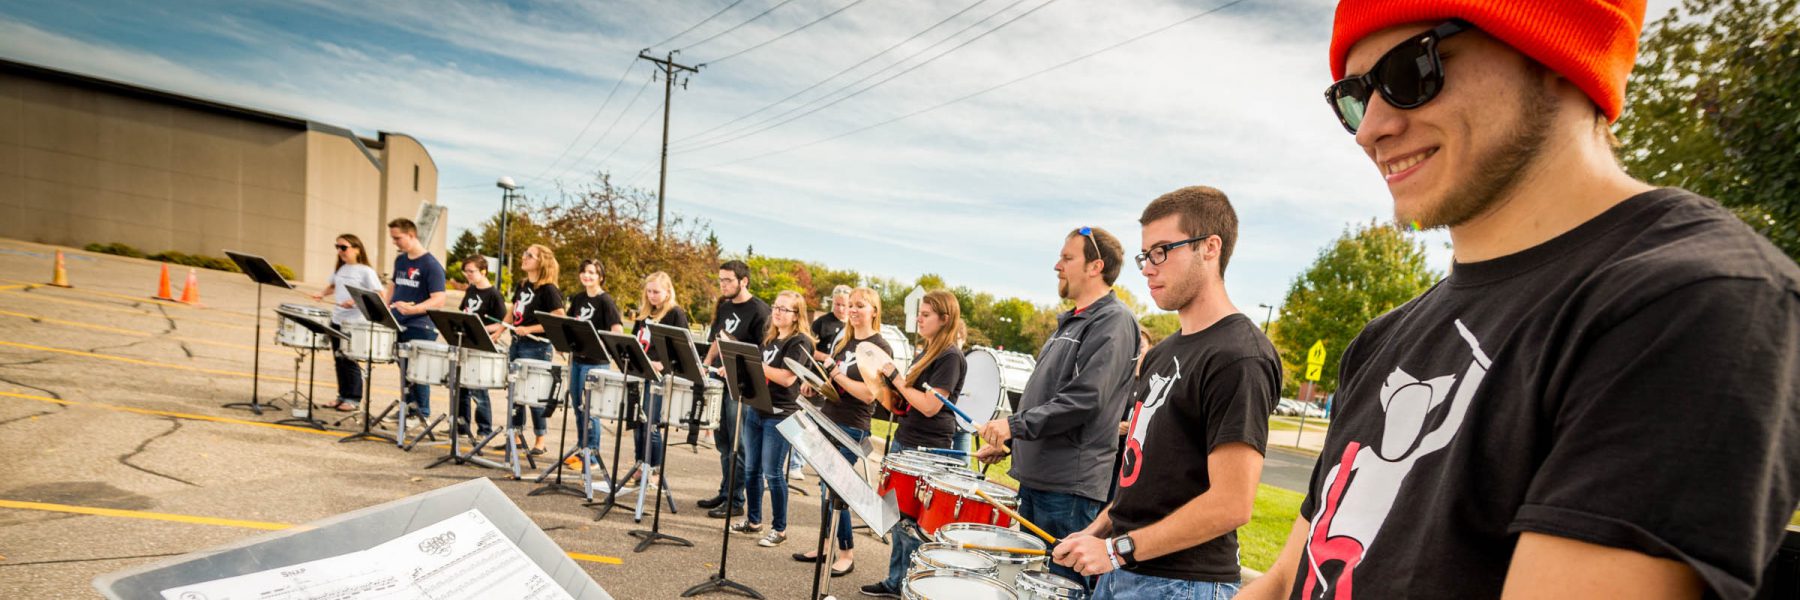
pixel 1126 549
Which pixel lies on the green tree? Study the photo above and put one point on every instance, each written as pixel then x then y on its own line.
pixel 1161 325
pixel 1367 271
pixel 1713 105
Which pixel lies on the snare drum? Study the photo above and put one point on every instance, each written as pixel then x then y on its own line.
pixel 427 363
pixel 369 342
pixel 605 390
pixel 532 382
pixel 1040 585
pixel 947 462
pixel 953 585
pixel 1010 565
pixel 950 498
pixel 905 475
pixel 290 333
pixel 481 370
pixel 939 556
pixel 683 402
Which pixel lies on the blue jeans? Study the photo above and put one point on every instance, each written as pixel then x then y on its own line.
pixel 349 375
pixel 540 415
pixel 419 396
pixel 845 542
pixel 484 414
pixel 1126 584
pixel 1059 515
pixel 587 429
pixel 648 439
pixel 724 438
pixel 766 454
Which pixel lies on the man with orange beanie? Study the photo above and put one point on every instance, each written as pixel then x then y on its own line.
pixel 1602 400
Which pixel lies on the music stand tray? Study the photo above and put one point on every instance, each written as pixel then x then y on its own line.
pixel 261 272
pixel 374 309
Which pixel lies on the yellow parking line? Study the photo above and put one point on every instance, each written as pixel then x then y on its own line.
pixel 168 413
pixel 12 287
pixel 199 520
pixel 164 365
pixel 130 332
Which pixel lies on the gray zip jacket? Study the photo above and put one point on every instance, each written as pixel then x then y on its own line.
pixel 1066 430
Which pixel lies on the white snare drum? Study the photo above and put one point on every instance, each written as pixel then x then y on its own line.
pixel 290 333
pixel 953 585
pixel 481 370
pixel 1038 585
pixel 532 382
pixel 369 342
pixel 683 402
pixel 939 556
pixel 427 363
pixel 1011 565
pixel 605 390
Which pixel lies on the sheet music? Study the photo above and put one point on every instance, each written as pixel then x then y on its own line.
pixel 462 557
pixel 810 442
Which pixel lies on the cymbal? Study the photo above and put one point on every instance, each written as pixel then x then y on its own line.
pixel 871 360
pixel 810 378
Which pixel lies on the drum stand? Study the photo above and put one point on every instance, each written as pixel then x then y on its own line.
pixel 562 439
pixel 454 379
pixel 654 533
pixel 312 358
pixel 513 451
pixel 369 397
pixel 612 497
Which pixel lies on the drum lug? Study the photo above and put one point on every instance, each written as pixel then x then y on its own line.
pixel 923 494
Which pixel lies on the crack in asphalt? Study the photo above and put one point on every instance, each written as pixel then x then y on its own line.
pixel 78 560
pixel 46 391
pixel 27 362
pixel 126 459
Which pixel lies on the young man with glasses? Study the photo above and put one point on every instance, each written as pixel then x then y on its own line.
pixel 738 317
pixel 481 299
pixel 1603 397
pixel 1199 421
pixel 1062 436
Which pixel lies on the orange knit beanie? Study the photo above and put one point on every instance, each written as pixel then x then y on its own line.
pixel 1592 43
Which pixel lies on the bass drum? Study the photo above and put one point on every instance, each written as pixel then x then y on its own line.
pixel 1015 371
pixel 981 391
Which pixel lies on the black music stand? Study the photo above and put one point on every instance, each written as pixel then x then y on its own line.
pixel 674 348
pixel 260 272
pixel 375 309
pixel 578 339
pixel 743 369
pixel 692 420
pixel 629 356
pixel 816 439
pixel 317 328
pixel 462 330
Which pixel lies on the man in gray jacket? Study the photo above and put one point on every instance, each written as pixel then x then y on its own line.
pixel 1065 431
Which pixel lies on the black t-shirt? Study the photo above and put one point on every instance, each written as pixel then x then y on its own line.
pixel 825 330
pixel 529 301
pixel 597 310
pixel 1631 383
pixel 747 322
pixel 937 431
pixel 851 411
pixel 1214 386
pixel 486 303
pixel 774 353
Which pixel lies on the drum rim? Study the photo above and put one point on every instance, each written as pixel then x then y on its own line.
pixel 968 492
pixel 920 468
pixel 1020 540
pixel 957 574
pixel 1032 581
pixel 943 546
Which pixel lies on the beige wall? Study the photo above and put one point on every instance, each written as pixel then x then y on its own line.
pixel 342 190
pixel 402 154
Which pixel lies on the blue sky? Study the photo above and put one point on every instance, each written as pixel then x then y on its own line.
pixel 980 191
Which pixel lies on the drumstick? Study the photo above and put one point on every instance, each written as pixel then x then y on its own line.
pixel 1023 551
pixel 940 397
pixel 1048 539
pixel 515 330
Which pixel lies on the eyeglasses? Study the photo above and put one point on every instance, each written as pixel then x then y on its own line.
pixel 1408 76
pixel 1088 232
pixel 786 310
pixel 1159 253
pixel 342 247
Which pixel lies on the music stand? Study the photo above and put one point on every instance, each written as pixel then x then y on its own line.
pixel 674 348
pixel 318 328
pixel 578 339
pixel 629 357
pixel 743 369
pixel 845 490
pixel 263 274
pixel 462 330
pixel 375 310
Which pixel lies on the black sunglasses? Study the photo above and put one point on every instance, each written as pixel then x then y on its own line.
pixel 1408 76
pixel 342 247
pixel 1159 253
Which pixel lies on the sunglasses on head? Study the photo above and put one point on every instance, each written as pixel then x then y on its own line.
pixel 1407 77
pixel 1088 232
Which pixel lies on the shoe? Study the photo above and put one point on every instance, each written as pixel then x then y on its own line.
pixel 746 527
pixel 573 462
pixel 847 570
pixel 879 590
pixel 802 557
pixel 345 406
pixel 775 538
pixel 719 513
pixel 799 474
pixel 712 502
pixel 602 488
pixel 538 451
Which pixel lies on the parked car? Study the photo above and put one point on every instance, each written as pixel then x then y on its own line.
pixel 1314 411
pixel 1288 408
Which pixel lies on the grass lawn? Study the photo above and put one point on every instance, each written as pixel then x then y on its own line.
pixel 1796 519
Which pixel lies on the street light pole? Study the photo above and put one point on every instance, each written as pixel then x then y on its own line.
pixel 1269 311
pixel 508 188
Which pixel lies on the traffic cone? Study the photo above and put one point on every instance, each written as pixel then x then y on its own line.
pixel 61 277
pixel 190 291
pixel 162 286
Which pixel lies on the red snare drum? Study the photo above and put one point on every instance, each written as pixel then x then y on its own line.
pixel 951 499
pixel 905 475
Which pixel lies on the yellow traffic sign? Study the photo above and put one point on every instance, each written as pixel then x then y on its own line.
pixel 1313 371
pixel 1316 356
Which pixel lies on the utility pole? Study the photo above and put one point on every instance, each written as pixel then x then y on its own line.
pixel 670 70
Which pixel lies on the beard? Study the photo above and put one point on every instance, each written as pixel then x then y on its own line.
pixel 1181 292
pixel 1062 289
pixel 1499 168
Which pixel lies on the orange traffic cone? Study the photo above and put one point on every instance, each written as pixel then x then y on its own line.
pixel 61 277
pixel 190 291
pixel 162 286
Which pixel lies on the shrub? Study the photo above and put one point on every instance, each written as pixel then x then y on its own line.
pixel 216 263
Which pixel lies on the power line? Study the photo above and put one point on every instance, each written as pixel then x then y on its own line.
pixel 590 121
pixel 735 27
pixel 779 37
pixel 750 131
pixel 609 128
pixel 833 75
pixel 697 25
pixel 633 135
pixel 1033 74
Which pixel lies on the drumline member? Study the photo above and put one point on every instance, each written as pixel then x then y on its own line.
pixel 1199 424
pixel 765 450
pixel 852 413
pixel 1602 399
pixel 922 421
pixel 1062 434
pixel 656 304
pixel 741 317
pixel 826 328
pixel 595 306
pixel 538 294
pixel 483 300
pixel 352 270
pixel 418 286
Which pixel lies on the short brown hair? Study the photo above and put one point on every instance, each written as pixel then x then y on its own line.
pixel 1203 211
pixel 405 225
pixel 1105 249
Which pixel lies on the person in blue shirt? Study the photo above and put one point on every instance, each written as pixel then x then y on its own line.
pixel 417 286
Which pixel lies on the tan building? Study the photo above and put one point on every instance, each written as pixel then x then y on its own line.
pixel 86 160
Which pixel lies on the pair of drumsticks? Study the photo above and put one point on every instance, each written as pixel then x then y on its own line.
pixel 1048 539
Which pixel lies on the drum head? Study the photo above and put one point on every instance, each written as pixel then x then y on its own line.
pixel 950 585
pixel 981 386
pixel 1042 584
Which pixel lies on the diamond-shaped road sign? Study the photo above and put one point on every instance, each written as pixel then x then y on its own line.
pixel 1315 361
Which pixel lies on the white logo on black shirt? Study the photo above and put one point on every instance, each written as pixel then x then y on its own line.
pixel 525 298
pixel 731 324
pixel 585 313
pixel 474 304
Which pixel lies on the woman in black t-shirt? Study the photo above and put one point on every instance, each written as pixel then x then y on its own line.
pixel 657 304
pixel 765 451
pixel 537 294
pixel 856 404
pixel 594 305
